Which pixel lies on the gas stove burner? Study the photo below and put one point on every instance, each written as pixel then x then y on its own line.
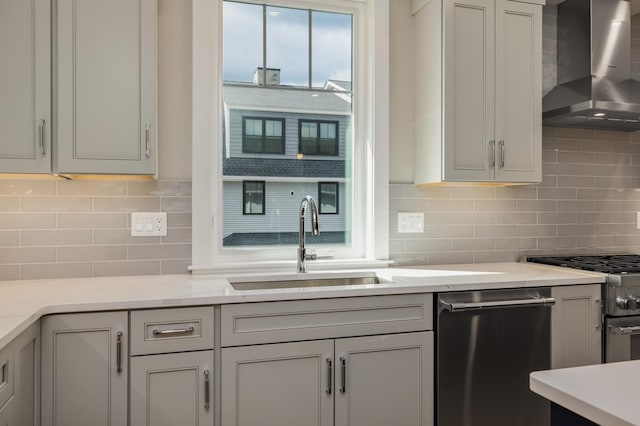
pixel 611 264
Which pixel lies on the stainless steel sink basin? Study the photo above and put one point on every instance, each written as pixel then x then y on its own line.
pixel 298 282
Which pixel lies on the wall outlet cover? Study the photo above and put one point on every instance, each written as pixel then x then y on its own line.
pixel 410 222
pixel 152 224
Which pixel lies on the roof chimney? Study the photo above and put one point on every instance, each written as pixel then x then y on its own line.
pixel 273 77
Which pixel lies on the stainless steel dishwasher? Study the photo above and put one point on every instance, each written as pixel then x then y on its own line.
pixel 487 344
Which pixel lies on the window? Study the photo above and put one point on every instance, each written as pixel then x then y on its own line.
pixel 328 197
pixel 253 197
pixel 321 65
pixel 318 137
pixel 262 135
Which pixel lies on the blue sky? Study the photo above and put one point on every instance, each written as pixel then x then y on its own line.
pixel 287 44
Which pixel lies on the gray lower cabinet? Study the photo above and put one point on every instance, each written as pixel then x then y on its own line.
pixel 363 381
pixel 27 377
pixel 20 379
pixel 84 369
pixel 384 380
pixel 576 329
pixel 172 389
pixel 278 384
pixel 6 413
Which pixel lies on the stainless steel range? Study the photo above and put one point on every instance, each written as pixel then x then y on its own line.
pixel 621 296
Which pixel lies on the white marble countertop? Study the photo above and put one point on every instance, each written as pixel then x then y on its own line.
pixel 606 394
pixel 23 302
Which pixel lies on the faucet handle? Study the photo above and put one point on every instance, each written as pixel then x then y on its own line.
pixel 311 256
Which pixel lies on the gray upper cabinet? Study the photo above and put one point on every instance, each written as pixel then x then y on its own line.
pixel 105 86
pixel 479 91
pixel 25 86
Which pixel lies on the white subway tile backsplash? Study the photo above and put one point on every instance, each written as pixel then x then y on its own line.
pixel 67 237
pixel 56 270
pixel 80 228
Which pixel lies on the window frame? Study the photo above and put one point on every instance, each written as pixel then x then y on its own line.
pixel 336 140
pixel 263 120
pixel 244 197
pixel 370 126
pixel 337 186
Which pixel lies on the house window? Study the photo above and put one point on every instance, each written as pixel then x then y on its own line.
pixel 262 135
pixel 328 197
pixel 318 137
pixel 253 197
pixel 284 61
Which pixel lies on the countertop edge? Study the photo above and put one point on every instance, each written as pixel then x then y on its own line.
pixel 585 409
pixel 58 296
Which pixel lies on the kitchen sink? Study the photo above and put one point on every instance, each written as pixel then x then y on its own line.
pixel 301 282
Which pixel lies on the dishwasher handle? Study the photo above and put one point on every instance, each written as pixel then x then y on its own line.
pixel 465 306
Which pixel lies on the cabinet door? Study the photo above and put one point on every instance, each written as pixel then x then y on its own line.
pixel 6 414
pixel 25 86
pixel 518 88
pixel 576 335
pixel 469 90
pixel 278 384
pixel 27 377
pixel 84 369
pixel 384 380
pixel 106 86
pixel 172 389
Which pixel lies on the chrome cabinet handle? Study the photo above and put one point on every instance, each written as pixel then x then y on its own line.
pixel 343 375
pixel 625 330
pixel 43 151
pixel 147 139
pixel 460 306
pixel 329 376
pixel 206 390
pixel 187 330
pixel 501 145
pixel 119 351
pixel 492 146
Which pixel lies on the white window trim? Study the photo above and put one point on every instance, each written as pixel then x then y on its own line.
pixel 207 114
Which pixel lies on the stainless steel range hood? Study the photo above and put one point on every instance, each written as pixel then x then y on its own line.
pixel 595 88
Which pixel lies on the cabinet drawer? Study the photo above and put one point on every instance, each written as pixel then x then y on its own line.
pixel 171 330
pixel 6 374
pixel 269 322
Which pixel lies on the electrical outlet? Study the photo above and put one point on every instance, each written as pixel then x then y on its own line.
pixel 410 222
pixel 148 224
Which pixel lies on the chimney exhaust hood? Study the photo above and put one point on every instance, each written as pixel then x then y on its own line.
pixel 595 88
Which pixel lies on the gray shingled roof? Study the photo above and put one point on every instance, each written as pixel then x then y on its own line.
pixel 253 97
pixel 237 166
pixel 281 238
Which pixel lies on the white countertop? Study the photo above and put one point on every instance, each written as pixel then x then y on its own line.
pixel 23 302
pixel 606 394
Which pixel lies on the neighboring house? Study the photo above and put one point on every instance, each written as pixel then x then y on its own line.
pixel 280 145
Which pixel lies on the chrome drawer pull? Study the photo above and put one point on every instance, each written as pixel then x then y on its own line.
pixel 343 375
pixel 171 331
pixel 460 306
pixel 147 139
pixel 625 330
pixel 329 376
pixel 206 390
pixel 43 152
pixel 119 351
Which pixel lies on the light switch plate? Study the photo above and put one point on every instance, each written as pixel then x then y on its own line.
pixel 410 222
pixel 149 224
pixel 637 220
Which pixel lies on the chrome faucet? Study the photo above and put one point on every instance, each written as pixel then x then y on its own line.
pixel 302 254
